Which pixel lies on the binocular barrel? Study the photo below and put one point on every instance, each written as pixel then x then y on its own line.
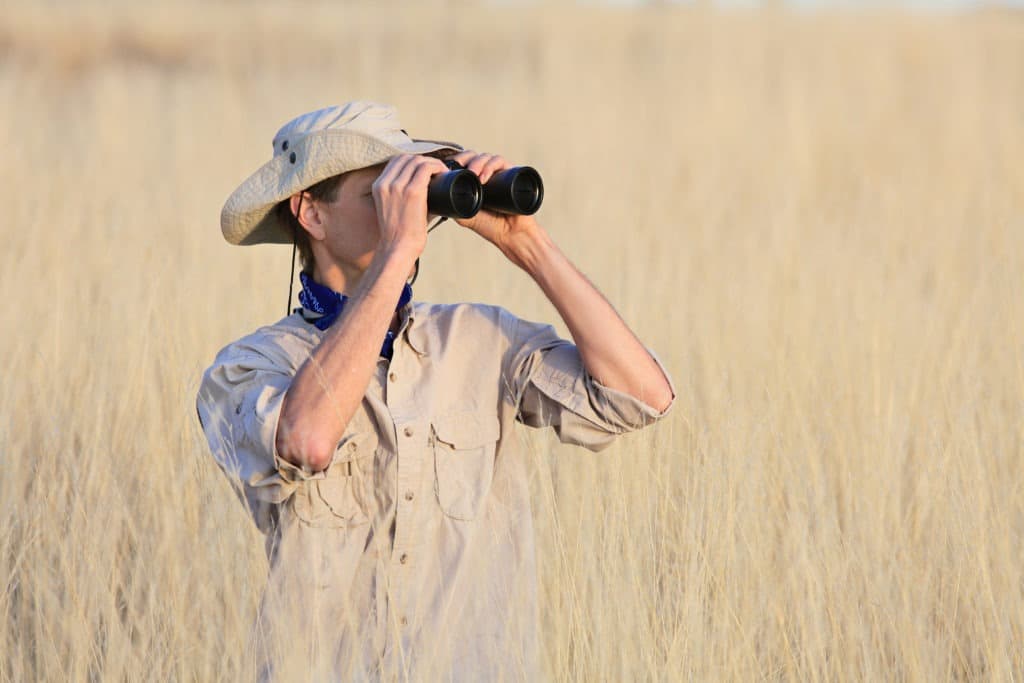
pixel 455 194
pixel 459 193
pixel 514 190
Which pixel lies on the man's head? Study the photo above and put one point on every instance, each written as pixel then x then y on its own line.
pixel 335 222
pixel 311 152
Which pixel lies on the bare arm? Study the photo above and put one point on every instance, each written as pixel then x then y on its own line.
pixel 611 353
pixel 329 387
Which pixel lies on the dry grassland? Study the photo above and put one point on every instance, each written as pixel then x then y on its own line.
pixel 816 220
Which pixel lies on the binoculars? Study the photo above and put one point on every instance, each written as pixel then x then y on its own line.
pixel 458 193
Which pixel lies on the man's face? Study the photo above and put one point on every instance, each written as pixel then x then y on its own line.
pixel 351 220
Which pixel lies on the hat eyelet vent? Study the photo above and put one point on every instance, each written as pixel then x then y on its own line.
pixel 291 157
pixel 284 146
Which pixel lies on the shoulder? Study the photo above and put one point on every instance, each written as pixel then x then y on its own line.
pixel 474 329
pixel 464 328
pixel 465 318
pixel 461 314
pixel 280 346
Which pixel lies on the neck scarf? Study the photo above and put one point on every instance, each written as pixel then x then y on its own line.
pixel 326 305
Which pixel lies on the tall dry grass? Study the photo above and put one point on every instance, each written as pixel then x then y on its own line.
pixel 815 219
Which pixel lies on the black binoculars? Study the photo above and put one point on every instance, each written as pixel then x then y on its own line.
pixel 459 193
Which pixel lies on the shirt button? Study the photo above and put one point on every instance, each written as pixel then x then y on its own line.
pixel 403 621
pixel 392 377
pixel 352 446
pixel 404 558
pixel 407 431
pixel 409 495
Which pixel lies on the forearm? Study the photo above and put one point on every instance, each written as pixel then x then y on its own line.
pixel 330 385
pixel 611 353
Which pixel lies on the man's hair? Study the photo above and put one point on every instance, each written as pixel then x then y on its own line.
pixel 324 191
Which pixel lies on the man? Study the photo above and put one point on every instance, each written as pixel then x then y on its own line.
pixel 372 437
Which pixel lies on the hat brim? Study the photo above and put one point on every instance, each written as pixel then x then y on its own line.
pixel 247 216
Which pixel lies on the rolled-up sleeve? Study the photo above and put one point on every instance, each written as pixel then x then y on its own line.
pixel 551 387
pixel 239 403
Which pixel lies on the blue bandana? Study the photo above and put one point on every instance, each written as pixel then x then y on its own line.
pixel 328 304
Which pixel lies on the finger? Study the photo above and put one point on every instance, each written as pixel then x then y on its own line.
pixel 486 165
pixel 392 170
pixel 477 162
pixel 463 157
pixel 433 163
pixel 491 166
pixel 421 173
pixel 409 166
pixel 396 164
pixel 402 175
pixel 416 175
pixel 474 161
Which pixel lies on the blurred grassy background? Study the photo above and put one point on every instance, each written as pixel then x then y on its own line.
pixel 814 219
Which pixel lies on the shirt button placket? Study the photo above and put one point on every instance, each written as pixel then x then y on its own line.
pixel 405 533
pixel 410 451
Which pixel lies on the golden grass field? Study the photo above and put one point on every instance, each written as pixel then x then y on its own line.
pixel 816 220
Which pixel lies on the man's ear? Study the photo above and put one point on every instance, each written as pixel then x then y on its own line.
pixel 305 210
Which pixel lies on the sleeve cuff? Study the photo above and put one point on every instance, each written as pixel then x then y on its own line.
pixel 631 410
pixel 290 472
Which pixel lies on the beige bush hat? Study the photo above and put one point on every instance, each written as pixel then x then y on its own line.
pixel 311 148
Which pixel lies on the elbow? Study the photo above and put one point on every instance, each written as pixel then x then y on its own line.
pixel 662 394
pixel 663 400
pixel 302 446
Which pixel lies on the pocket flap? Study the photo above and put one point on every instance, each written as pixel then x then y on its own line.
pixel 354 447
pixel 467 430
pixel 337 499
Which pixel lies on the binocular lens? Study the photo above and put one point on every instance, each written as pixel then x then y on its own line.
pixel 459 194
pixel 455 194
pixel 516 190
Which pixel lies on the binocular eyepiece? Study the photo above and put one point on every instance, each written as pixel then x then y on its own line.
pixel 459 193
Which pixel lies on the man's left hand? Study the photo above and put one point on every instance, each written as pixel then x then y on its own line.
pixel 511 233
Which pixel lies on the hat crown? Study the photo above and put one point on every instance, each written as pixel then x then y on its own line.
pixel 308 149
pixel 378 120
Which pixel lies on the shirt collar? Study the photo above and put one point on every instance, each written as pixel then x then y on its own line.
pixel 414 330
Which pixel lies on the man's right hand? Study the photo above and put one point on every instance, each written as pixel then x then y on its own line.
pixel 400 194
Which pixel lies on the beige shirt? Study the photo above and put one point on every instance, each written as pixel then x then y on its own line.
pixel 412 554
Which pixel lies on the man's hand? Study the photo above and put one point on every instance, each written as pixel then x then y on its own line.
pixel 511 233
pixel 400 195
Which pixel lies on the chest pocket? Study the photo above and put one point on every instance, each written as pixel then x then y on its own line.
pixel 341 499
pixel 464 448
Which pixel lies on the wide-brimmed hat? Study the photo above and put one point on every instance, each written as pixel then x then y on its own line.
pixel 311 148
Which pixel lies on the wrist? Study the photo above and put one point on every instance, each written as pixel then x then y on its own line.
pixel 531 248
pixel 396 256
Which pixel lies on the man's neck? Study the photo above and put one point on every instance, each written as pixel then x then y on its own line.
pixel 341 280
pixel 344 282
